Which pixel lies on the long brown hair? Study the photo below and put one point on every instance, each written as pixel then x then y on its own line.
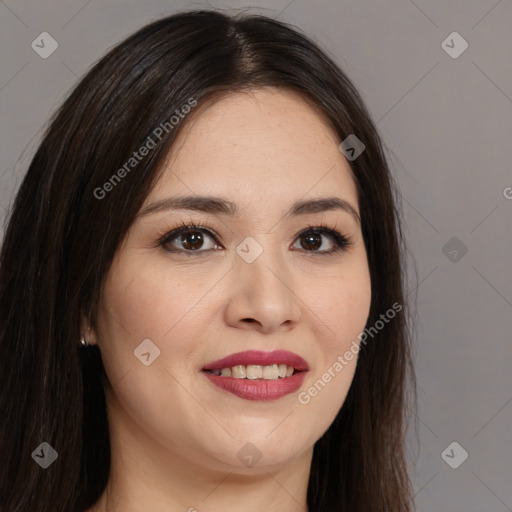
pixel 61 239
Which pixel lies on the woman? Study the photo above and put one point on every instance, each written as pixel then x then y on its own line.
pixel 201 297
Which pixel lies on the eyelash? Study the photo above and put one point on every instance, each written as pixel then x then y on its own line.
pixel 341 242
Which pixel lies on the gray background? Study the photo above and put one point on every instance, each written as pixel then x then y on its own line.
pixel 447 124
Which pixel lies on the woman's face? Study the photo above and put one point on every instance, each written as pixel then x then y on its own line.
pixel 258 280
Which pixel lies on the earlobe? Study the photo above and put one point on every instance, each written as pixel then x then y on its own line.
pixel 87 334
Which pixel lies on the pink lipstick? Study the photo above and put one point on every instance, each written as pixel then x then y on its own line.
pixel 258 375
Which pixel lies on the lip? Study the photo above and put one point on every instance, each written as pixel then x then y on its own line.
pixel 260 390
pixel 258 357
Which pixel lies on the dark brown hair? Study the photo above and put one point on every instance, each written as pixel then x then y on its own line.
pixel 60 241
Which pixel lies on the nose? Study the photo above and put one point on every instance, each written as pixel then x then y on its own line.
pixel 262 295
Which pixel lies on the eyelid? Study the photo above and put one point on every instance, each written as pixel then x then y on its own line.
pixel 183 227
pixel 341 241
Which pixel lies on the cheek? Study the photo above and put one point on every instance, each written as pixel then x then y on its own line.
pixel 149 306
pixel 151 300
pixel 343 303
pixel 166 311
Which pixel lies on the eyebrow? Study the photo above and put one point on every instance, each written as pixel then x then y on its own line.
pixel 218 205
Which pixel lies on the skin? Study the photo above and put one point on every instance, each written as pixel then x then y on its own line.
pixel 174 435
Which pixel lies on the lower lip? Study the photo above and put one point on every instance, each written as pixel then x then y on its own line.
pixel 261 389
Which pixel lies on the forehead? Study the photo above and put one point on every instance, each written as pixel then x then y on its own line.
pixel 257 147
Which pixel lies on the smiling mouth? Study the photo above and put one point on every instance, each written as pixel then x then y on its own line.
pixel 258 375
pixel 256 372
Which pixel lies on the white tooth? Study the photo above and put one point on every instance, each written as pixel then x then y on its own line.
pixel 254 371
pixel 238 372
pixel 271 372
pixel 216 372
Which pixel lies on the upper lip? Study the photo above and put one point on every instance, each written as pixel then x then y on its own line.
pixel 258 357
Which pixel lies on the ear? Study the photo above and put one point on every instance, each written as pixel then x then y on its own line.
pixel 87 331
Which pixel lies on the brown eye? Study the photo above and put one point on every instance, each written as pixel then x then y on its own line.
pixel 198 240
pixel 312 241
pixel 189 239
pixel 192 240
